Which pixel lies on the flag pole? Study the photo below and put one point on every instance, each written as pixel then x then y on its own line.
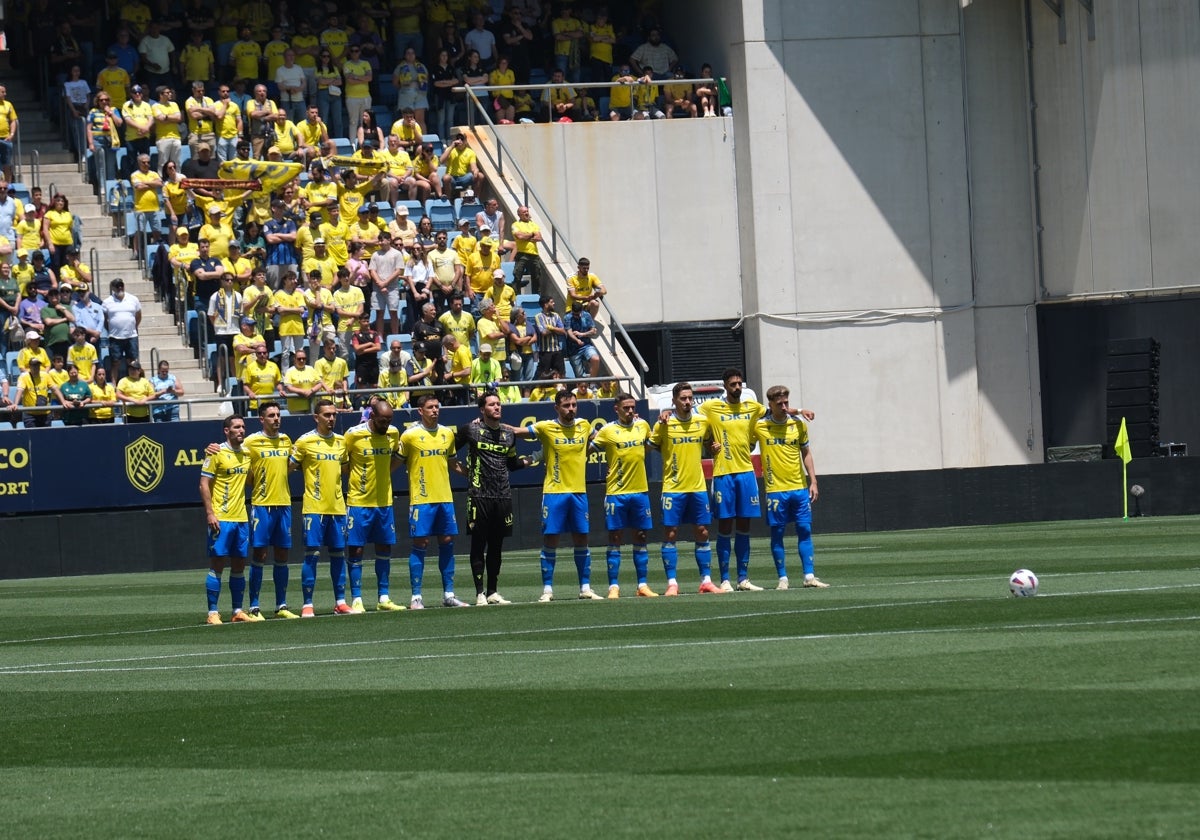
pixel 1124 492
pixel 1122 451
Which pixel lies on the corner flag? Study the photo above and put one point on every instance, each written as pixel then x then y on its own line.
pixel 1121 446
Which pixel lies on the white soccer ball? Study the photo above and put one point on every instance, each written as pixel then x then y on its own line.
pixel 1023 583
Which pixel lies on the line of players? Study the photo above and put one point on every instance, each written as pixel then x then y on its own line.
pixel 370 451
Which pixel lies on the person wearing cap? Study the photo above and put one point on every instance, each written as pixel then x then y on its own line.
pixel 392 379
pixel 181 254
pixel 33 349
pixel 481 267
pixel 123 316
pixel 487 369
pixel 248 339
pixel 503 295
pixel 462 167
pixel 491 331
pixel 57 319
pixel 465 243
pixel 366 233
pixel 139 122
pixel 418 371
pixel 202 119
pixel 229 126
pixel 112 79
pixel 32 393
pixel 167 119
pixel 403 231
pixel 136 393
pixel 202 164
pixel 585 287
pixel 448 279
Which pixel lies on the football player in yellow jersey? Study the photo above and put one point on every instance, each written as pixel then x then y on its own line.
pixel 627 495
pixel 271 514
pixel 372 453
pixel 735 487
pixel 319 454
pixel 564 491
pixel 223 491
pixel 428 451
pixel 681 436
pixel 790 481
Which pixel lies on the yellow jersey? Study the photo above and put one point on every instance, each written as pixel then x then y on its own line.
pixel 681 443
pixel 261 379
pixel 370 457
pixel 320 459
pixel 427 454
pixel 83 357
pixel 733 427
pixel 269 468
pixel 565 449
pixel 624 449
pixel 332 374
pixel 290 323
pixel 228 470
pixel 781 446
pixel 306 379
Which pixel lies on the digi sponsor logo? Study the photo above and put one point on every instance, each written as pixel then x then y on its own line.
pixel 144 464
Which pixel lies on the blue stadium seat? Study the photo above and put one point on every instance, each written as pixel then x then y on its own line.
pixel 470 209
pixel 507 267
pixel 441 213
pixel 192 331
pixel 530 304
pixel 185 154
pixel 386 212
pixel 344 146
pixel 19 191
pixel 451 236
pixel 415 209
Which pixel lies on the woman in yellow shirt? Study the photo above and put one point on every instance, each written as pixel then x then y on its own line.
pixel 503 102
pixel 104 397
pixel 175 197
pixel 58 230
pixel 135 391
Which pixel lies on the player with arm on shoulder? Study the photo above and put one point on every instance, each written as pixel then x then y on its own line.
pixel 627 494
pixel 564 491
pixel 373 452
pixel 680 436
pixel 223 492
pixel 319 454
pixel 428 450
pixel 271 511
pixel 790 480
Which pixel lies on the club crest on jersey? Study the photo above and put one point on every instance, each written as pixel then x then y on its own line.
pixel 144 463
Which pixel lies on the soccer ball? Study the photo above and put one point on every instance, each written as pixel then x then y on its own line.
pixel 1023 583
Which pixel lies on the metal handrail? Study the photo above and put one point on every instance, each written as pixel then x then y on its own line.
pixel 94 265
pixel 154 358
pixel 35 166
pixel 544 212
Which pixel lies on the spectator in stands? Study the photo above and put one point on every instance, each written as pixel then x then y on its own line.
pixel 465 244
pixel 33 396
pixel 314 138
pixel 427 327
pixel 138 115
pixel 74 395
pixel 489 330
pixel 426 237
pixel 403 231
pixel 443 76
pixel 293 86
pixel 58 320
pixel 254 244
pixel 367 343
pixel 77 93
pixel 418 370
pixel 486 370
pixel 58 226
pixel 527 233
pixel 113 79
pixel 426 165
pixel 329 93
pixel 157 51
pixel 229 125
pixel 246 343
pixel 448 39
pixel 418 277
pixel 135 392
pixel 581 333
pixel 447 279
pixel 562 103
pixel 517 38
pixel 406 26
pixel 44 277
pixel 365 233
pixel 472 71
pixel 654 57
pixel 481 268
pixel 522 351
pixel 349 305
pixel 89 317
pixel 103 127
pixel 387 271
pixel 462 167
pixel 261 377
pixel 569 39
pixel 10 296
pixel 502 295
pixel 166 387
pixel 196 60
pixel 224 310
pixel 411 80
pixel 33 349
pixel 240 268
pixel 646 97
pixel 74 274
pixel 281 238
pixel 181 254
pixel 123 316
pixel 288 305
pixel 202 122
pixel 205 272
pixel 245 57
pixel 457 362
pixel 263 119
pixel 104 398
pixel 585 287
pixel 301 383
pixel 458 322
pixel 202 164
pixel 369 132
pixel 147 189
pixel 357 72
pixel 552 336
pixel 334 372
pixel 408 130
pixel 600 36
pixel 127 53
pixel 318 305
pixel 678 96
pixel 502 100
pixel 167 120
pixel 706 94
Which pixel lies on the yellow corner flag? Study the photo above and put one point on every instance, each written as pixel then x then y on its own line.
pixel 1121 447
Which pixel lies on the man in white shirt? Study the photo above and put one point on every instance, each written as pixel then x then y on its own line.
pixel 123 314
pixel 292 85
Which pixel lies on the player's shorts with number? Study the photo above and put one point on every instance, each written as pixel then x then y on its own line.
pixel 232 539
pixel 490 517
pixel 785 507
pixel 736 495
pixel 271 525
pixel 685 508
pixel 434 519
pixel 325 529
pixel 565 513
pixel 370 525
pixel 628 510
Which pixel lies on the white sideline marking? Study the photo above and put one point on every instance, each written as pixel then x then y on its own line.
pixel 61 667
pixel 420 657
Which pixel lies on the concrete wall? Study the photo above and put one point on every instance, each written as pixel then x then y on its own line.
pixel 1117 119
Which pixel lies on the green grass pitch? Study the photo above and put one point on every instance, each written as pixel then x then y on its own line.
pixel 914 698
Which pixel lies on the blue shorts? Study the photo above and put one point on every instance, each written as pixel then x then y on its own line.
pixel 232 540
pixel 325 529
pixel 565 513
pixel 736 495
pixel 435 519
pixel 789 506
pixel 271 525
pixel 685 508
pixel 628 510
pixel 462 180
pixel 370 524
pixel 5 152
